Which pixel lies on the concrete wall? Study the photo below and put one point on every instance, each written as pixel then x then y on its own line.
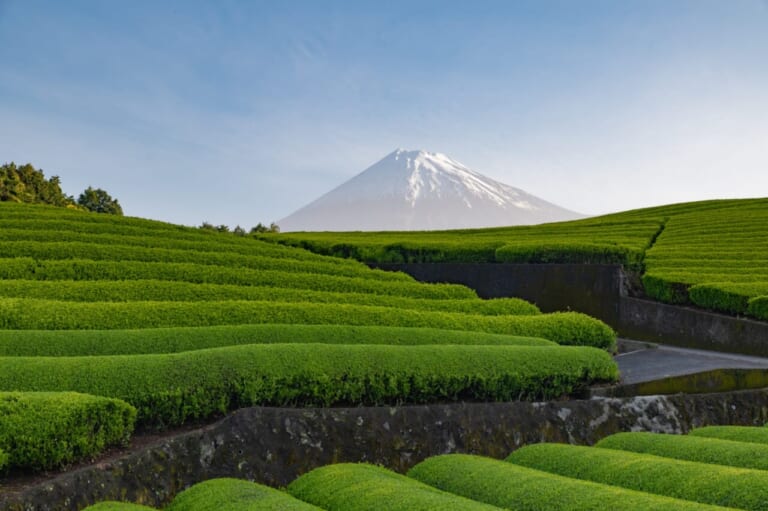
pixel 274 446
pixel 602 291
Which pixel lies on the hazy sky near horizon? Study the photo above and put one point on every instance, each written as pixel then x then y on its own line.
pixel 242 112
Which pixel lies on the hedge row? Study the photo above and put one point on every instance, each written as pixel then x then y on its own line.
pixel 711 258
pixel 688 480
pixel 418 251
pixel 352 487
pixel 513 487
pixel 57 343
pixel 112 252
pixel 570 252
pixel 200 243
pixel 726 293
pixel 667 288
pixel 731 262
pixel 11 212
pixel 118 506
pixel 481 246
pixel 24 268
pixel 758 307
pixel 227 494
pixel 51 429
pixel 170 389
pixel 166 290
pixel 727 296
pixel 691 448
pixel 757 435
pixel 103 226
pixel 27 314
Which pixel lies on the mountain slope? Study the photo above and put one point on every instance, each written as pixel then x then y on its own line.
pixel 416 190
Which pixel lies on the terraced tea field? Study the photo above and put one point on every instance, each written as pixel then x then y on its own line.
pixel 711 468
pixel 713 254
pixel 111 324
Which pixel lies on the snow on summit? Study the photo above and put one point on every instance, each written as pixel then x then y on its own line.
pixel 418 190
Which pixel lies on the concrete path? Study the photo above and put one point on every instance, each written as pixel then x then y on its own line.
pixel 653 362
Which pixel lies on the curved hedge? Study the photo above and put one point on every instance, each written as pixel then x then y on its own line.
pixel 727 296
pixel 45 430
pixel 27 314
pixel 691 448
pixel 57 343
pixel 225 494
pixel 580 240
pixel 700 482
pixel 60 250
pixel 715 259
pixel 758 307
pixel 25 268
pixel 118 506
pixel 166 290
pixel 352 487
pixel 513 487
pixel 198 241
pixel 172 388
pixel 753 434
pixel 566 251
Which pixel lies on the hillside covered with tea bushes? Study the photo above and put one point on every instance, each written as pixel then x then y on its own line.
pixel 712 254
pixel 111 324
pixel 628 471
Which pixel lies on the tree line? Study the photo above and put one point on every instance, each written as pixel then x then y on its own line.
pixel 239 231
pixel 25 183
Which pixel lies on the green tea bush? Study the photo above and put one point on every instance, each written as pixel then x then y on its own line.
pixel 29 314
pixel 727 296
pixel 667 288
pixel 715 259
pixel 197 242
pixel 679 246
pixel 17 268
pixel 81 269
pixel 758 435
pixel 691 448
pixel 169 389
pixel 352 487
pixel 227 494
pixel 51 429
pixel 700 482
pixel 165 290
pixel 118 506
pixel 569 252
pixel 113 252
pixel 57 343
pixel 513 487
pixel 758 307
pixel 3 459
pixel 483 245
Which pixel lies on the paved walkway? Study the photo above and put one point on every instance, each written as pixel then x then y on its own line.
pixel 664 361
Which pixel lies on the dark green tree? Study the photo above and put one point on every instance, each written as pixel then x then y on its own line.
pixel 99 201
pixel 259 228
pixel 26 184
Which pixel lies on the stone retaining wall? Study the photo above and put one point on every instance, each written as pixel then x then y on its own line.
pixel 605 292
pixel 274 446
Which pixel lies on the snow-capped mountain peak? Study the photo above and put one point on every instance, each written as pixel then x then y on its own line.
pixel 438 175
pixel 415 190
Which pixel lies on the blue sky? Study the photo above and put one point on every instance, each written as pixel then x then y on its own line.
pixel 242 112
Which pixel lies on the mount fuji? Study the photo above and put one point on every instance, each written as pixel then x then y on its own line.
pixel 417 190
